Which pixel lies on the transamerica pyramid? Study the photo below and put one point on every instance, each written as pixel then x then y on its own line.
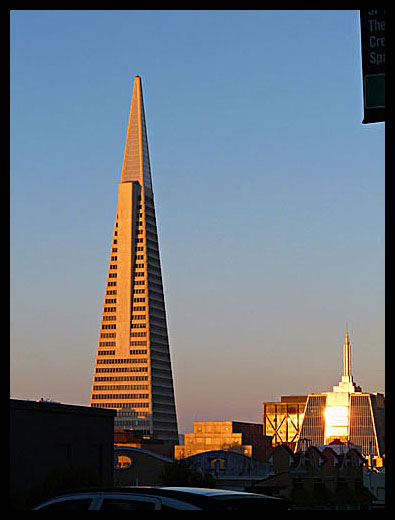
pixel 133 373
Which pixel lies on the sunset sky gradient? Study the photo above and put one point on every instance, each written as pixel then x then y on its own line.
pixel 269 196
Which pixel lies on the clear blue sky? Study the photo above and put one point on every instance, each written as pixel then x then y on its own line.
pixel 269 195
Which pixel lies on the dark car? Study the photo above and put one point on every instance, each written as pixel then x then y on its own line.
pixel 161 499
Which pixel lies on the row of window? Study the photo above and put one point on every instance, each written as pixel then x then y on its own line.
pixel 138 351
pixel 113 343
pixel 120 396
pixel 119 387
pixel 121 369
pixel 121 361
pixel 120 378
pixel 135 308
pixel 121 405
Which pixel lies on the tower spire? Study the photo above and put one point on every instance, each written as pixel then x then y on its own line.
pixel 136 164
pixel 347 356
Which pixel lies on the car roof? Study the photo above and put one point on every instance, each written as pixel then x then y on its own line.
pixel 164 491
pixel 191 498
pixel 209 492
pixel 209 499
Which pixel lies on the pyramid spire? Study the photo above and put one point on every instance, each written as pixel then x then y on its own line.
pixel 133 372
pixel 136 163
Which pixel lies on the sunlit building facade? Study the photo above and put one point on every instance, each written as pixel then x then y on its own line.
pixel 346 414
pixel 244 438
pixel 133 373
pixel 282 420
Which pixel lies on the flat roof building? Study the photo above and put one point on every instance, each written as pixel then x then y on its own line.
pixel 49 439
pixel 240 437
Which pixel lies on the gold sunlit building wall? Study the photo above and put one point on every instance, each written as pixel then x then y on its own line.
pixel 244 438
pixel 282 420
pixel 346 414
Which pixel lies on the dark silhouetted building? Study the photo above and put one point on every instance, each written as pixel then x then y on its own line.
pixel 48 438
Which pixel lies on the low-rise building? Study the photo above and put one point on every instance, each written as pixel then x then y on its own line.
pixel 231 470
pixel 239 437
pixel 48 440
pixel 315 479
pixel 138 466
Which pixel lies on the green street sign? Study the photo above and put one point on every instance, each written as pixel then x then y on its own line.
pixel 373 64
pixel 375 91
